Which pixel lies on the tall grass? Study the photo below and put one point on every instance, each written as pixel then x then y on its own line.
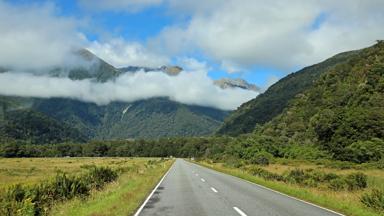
pixel 38 199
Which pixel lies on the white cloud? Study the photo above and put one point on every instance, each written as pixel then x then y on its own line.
pixel 32 36
pixel 120 53
pixel 191 64
pixel 119 5
pixel 194 88
pixel 277 33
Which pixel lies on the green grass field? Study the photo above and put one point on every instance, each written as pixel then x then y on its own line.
pixel 344 201
pixel 121 197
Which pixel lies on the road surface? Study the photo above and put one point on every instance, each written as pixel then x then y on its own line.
pixel 192 190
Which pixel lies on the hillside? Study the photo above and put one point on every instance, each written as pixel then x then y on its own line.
pixel 272 102
pixel 151 118
pixel 343 112
pixel 36 128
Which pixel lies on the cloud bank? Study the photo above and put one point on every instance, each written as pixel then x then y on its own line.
pixel 279 34
pixel 194 88
pixel 121 53
pixel 34 37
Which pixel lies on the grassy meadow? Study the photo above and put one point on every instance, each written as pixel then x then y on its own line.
pixel 342 200
pixel 136 178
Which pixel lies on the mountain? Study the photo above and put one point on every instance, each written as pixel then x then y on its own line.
pixel 342 112
pixel 236 83
pixel 151 118
pixel 272 102
pixel 33 127
pixel 170 70
pixel 88 66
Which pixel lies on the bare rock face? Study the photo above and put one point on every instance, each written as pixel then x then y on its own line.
pixel 171 70
pixel 225 83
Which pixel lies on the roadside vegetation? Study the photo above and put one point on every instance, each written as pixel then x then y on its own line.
pixel 85 186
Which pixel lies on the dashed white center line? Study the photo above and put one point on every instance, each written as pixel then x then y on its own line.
pixel 203 180
pixel 239 211
pixel 213 189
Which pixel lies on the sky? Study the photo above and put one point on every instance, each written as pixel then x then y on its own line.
pixel 256 40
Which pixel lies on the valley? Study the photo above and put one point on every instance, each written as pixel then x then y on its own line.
pixel 188 108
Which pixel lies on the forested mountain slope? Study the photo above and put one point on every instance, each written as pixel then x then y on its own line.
pixel 342 112
pixel 272 102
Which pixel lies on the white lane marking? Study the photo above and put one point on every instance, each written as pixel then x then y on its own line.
pixel 213 189
pixel 312 204
pixel 239 211
pixel 197 174
pixel 153 191
pixel 203 180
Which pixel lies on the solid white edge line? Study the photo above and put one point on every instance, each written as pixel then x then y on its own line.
pixel 153 191
pixel 213 189
pixel 239 211
pixel 203 180
pixel 312 204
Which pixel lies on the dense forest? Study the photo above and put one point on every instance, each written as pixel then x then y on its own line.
pixel 273 101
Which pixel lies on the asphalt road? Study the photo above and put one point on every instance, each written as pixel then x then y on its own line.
pixel 192 190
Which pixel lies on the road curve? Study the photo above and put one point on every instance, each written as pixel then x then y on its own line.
pixel 192 190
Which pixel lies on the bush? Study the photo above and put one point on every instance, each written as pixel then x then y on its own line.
pixel 337 184
pixel 233 162
pixel 356 181
pixel 99 176
pixel 365 151
pixel 261 158
pixel 296 176
pixel 257 171
pixel 374 199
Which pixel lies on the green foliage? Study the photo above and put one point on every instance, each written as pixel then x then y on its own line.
pixel 257 171
pixel 38 199
pixel 356 181
pixel 261 158
pixel 296 176
pixel 304 152
pixel 152 118
pixel 337 184
pixel 364 151
pixel 35 127
pixel 374 199
pixel 342 113
pixel 271 103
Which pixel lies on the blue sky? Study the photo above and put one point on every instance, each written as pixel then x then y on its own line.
pixel 256 40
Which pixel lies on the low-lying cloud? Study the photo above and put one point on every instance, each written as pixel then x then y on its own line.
pixel 194 88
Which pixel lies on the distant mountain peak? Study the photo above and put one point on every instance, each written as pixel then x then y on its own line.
pixel 170 70
pixel 225 83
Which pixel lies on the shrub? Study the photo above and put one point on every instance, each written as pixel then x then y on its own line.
pixel 296 176
pixel 364 151
pixel 261 158
pixel 98 176
pixel 337 184
pixel 257 171
pixel 374 199
pixel 233 162
pixel 356 181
